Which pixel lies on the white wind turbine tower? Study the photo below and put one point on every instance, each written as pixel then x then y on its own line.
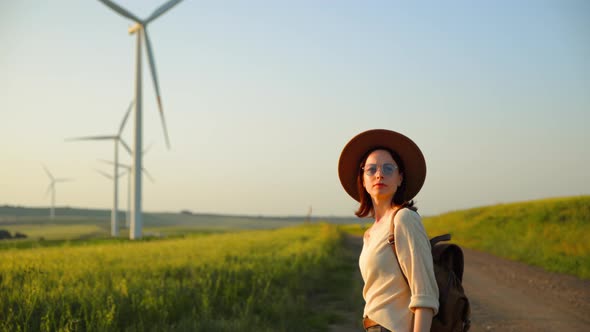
pixel 128 172
pixel 110 177
pixel 52 189
pixel 140 29
pixel 118 140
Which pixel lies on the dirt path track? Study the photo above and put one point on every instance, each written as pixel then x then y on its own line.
pixel 510 296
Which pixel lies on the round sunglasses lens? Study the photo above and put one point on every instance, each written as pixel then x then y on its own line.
pixel 388 169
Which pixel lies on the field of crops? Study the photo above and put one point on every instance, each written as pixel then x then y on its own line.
pixel 244 281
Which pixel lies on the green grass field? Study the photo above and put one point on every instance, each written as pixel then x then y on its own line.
pixel 252 280
pixel 551 233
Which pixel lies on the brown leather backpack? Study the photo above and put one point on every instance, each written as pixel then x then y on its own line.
pixel 454 311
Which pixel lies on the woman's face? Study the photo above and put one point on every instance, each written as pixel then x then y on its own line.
pixel 381 176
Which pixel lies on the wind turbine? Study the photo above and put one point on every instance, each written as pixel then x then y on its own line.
pixel 117 139
pixel 140 29
pixel 128 172
pixel 52 189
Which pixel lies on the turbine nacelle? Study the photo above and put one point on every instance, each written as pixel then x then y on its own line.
pixel 134 28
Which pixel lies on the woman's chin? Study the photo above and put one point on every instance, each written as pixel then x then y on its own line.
pixel 382 195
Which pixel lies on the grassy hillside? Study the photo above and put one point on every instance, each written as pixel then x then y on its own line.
pixel 551 233
pixel 247 281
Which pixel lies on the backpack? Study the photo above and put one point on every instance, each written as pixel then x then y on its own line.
pixel 454 311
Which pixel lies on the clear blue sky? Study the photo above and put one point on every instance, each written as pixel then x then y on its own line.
pixel 261 96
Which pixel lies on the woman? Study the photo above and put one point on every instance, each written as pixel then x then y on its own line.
pixel 383 170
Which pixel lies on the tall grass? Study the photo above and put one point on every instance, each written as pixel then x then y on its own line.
pixel 551 233
pixel 247 281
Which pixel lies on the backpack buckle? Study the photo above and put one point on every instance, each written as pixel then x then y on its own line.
pixel 391 239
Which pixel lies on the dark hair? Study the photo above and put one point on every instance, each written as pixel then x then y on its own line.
pixel 366 208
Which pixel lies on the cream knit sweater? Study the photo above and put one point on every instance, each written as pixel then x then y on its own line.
pixel 389 300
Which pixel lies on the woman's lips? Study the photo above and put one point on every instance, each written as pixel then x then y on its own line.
pixel 379 185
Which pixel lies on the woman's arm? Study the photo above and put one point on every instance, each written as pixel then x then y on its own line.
pixel 415 258
pixel 422 319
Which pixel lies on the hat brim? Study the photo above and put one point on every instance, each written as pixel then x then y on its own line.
pixel 354 151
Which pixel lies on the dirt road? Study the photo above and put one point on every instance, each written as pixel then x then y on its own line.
pixel 509 296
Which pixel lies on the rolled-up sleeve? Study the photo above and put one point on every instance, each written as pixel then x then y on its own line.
pixel 415 257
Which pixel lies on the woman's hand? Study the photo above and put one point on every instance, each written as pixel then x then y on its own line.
pixel 422 319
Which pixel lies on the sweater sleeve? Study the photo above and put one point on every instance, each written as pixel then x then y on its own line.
pixel 415 257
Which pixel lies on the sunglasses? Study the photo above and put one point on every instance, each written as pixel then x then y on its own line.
pixel 386 169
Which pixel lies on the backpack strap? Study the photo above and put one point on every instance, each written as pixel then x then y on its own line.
pixel 391 238
pixel 437 239
pixel 391 241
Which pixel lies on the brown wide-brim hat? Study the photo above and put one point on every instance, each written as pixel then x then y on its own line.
pixel 354 151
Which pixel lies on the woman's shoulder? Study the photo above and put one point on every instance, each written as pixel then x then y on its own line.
pixel 407 213
pixel 407 217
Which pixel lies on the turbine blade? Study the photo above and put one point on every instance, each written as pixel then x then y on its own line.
pixel 156 85
pixel 48 173
pixel 147 174
pixel 91 138
pixel 126 146
pixel 48 189
pixel 104 174
pixel 112 163
pixel 125 118
pixel 161 10
pixel 163 119
pixel 122 11
pixel 64 180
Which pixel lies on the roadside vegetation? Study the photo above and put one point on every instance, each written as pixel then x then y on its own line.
pixel 550 233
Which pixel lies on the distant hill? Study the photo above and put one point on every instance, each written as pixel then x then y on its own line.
pixel 552 233
pixel 19 214
pixel 8 211
pixel 81 224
